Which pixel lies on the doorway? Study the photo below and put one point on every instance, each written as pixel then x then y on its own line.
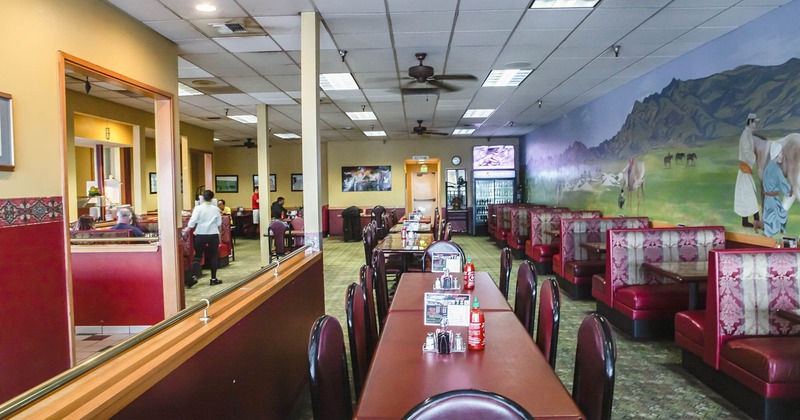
pixel 422 181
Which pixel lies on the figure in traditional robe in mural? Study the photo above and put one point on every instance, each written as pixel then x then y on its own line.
pixel 745 201
pixel 775 183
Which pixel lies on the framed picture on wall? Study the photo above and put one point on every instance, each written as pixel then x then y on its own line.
pixel 366 178
pixel 297 182
pixel 255 181
pixel 273 182
pixel 153 185
pixel 6 134
pixel 226 183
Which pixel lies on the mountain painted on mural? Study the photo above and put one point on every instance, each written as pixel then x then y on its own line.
pixel 690 112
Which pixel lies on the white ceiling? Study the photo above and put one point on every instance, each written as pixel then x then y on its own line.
pixel 570 50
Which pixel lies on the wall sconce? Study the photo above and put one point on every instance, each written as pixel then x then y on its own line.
pixel 539 103
pixel 616 50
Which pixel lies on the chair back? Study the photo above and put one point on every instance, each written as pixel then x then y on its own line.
pixel 506 260
pixel 277 234
pixel 330 384
pixel 548 321
pixel 298 223
pixel 367 277
pixel 381 288
pixel 392 218
pixel 377 214
pixel 467 404
pixel 525 300
pixel 595 359
pixel 368 243
pixel 448 231
pixel 435 225
pixel 355 309
pixel 441 247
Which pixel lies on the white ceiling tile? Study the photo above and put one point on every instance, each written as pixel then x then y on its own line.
pixel 643 66
pixel 328 7
pixel 420 5
pixel 280 25
pixel 237 44
pixel 185 9
pixel 736 16
pixel 617 18
pixel 176 30
pixel 653 35
pixel 356 41
pixel 237 99
pixel 251 84
pixel 539 19
pixel 682 17
pixel 145 10
pixel 488 20
pixel 363 23
pixel 204 101
pixel 703 35
pixel 594 37
pixel 520 5
pixel 373 81
pixel 192 72
pixel 675 49
pixel 480 38
pixel 273 98
pixel 421 39
pixel 429 21
pixel 559 67
pixel 546 38
pixel 205 46
pixel 276 7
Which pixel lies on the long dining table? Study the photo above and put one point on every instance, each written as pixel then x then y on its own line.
pixel 413 286
pixel 393 243
pixel 402 375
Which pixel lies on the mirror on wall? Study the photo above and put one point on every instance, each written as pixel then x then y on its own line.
pixel 456 189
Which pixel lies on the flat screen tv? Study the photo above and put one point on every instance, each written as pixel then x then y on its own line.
pixel 493 157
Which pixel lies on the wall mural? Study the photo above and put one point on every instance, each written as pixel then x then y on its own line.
pixel 667 145
pixel 366 178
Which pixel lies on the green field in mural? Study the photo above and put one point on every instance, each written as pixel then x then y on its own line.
pixel 699 193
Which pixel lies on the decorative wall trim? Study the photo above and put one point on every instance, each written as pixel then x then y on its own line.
pixel 30 210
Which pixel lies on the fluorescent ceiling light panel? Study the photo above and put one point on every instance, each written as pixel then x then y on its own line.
pixel 205 7
pixel 361 116
pixel 247 119
pixel 509 77
pixel 375 133
pixel 563 4
pixel 337 81
pixel 287 135
pixel 478 113
pixel 184 90
pixel 463 131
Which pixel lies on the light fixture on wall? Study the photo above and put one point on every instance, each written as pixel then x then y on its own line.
pixel 108 132
pixel 87 86
pixel 616 50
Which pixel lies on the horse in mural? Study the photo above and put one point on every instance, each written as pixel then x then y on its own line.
pixel 632 177
pixel 790 165
pixel 690 159
pixel 668 160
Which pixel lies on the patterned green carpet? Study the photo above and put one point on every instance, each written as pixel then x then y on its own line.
pixel 650 382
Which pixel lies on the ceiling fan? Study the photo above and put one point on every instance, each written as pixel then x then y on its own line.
pixel 425 74
pixel 420 130
pixel 249 143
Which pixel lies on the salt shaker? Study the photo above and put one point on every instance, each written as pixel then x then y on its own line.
pixel 430 342
pixel 458 342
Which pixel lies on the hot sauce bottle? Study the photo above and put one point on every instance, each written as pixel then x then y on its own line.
pixel 469 274
pixel 477 327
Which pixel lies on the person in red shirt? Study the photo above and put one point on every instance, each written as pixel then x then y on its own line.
pixel 255 205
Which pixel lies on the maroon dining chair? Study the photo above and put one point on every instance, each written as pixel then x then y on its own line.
pixel 298 223
pixel 329 380
pixel 505 270
pixel 467 404
pixel 225 236
pixel 595 360
pixel 440 247
pixel 369 243
pixel 377 216
pixel 355 310
pixel 435 225
pixel 381 288
pixel 367 279
pixel 525 300
pixel 548 321
pixel 277 238
pixel 448 231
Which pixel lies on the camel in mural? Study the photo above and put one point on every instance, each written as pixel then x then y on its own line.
pixel 632 177
pixel 790 165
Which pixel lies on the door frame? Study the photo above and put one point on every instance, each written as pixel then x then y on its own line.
pixel 411 166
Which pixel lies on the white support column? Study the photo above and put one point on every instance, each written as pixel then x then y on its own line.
pixel 309 87
pixel 138 175
pixel 262 151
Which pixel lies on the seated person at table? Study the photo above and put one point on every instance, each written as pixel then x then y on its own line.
pixel 124 221
pixel 278 211
pixel 84 222
pixel 223 208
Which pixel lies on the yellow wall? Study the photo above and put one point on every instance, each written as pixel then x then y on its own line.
pixel 92 30
pixel 90 127
pixel 84 168
pixel 394 153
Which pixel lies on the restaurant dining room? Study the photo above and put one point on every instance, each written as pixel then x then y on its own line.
pixel 455 209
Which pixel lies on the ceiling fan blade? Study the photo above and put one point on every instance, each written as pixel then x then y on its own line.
pixel 443 86
pixel 454 77
pixel 437 133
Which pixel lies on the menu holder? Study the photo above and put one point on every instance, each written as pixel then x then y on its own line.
pixel 450 261
pixel 453 306
pixel 447 283
pixel 459 346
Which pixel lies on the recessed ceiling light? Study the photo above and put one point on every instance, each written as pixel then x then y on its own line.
pixel 375 133
pixel 509 77
pixel 563 4
pixel 184 90
pixel 216 139
pixel 365 115
pixel 287 135
pixel 463 131
pixel 337 81
pixel 478 113
pixel 205 7
pixel 247 119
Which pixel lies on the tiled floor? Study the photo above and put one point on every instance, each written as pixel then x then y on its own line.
pixel 88 345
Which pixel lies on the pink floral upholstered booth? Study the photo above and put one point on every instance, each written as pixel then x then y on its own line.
pixel 542 246
pixel 642 305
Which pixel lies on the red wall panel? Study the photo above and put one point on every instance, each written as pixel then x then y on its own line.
pixel 34 328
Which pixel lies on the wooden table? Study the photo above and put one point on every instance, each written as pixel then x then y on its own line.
pixel 402 376
pixel 423 228
pixel 789 315
pixel 595 249
pixel 393 243
pixel 413 286
pixel 691 272
pixel 421 220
